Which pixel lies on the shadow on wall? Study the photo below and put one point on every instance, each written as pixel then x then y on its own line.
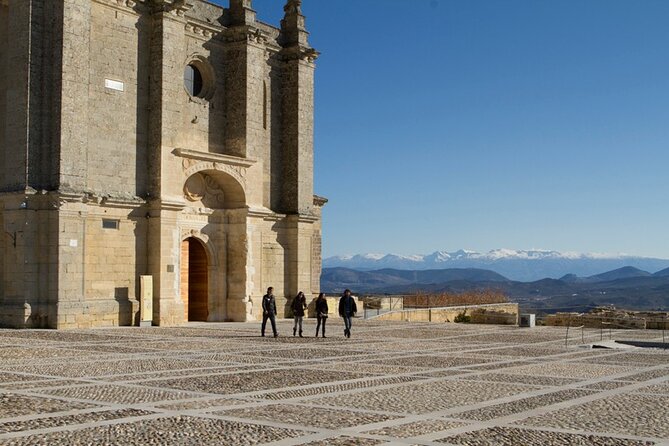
pixel 125 313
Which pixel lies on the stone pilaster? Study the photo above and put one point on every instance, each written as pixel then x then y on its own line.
pixel 20 18
pixel 74 102
pixel 245 47
pixel 297 112
pixel 299 255
pixel 166 93
pixel 238 244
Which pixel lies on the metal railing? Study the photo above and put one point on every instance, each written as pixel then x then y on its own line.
pixel 610 325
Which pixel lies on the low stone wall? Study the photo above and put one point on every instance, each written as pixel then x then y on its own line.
pixel 595 321
pixel 496 314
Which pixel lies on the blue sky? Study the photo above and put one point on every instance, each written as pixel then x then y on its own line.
pixel 447 124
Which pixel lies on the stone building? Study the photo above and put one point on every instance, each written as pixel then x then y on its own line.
pixel 170 138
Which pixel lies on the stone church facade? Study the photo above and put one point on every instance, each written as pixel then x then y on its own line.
pixel 168 138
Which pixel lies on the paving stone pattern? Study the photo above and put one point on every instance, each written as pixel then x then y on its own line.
pixel 391 383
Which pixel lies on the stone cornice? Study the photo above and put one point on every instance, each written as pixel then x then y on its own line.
pixel 103 200
pixel 201 30
pixel 214 158
pixel 264 213
pixel 114 202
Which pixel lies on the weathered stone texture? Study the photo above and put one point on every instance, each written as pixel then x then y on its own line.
pixel 3 86
pixel 108 163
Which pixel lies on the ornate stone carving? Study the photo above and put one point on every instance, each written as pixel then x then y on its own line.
pixel 237 172
pixel 187 233
pixel 201 186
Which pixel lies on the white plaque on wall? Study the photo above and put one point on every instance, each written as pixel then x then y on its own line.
pixel 145 301
pixel 114 85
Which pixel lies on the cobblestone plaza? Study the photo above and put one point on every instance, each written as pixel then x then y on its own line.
pixel 391 384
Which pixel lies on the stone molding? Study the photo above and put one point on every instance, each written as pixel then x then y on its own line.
pixel 234 166
pixel 209 246
pixel 165 204
pixel 236 172
pixel 216 158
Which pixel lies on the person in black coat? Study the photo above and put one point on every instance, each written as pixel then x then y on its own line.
pixel 322 311
pixel 299 305
pixel 269 311
pixel 347 309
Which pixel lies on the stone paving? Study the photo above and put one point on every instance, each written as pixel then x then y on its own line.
pixel 390 384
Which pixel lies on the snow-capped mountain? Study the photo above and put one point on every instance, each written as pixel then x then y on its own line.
pixel 520 265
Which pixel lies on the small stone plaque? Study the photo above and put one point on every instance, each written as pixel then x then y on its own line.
pixel 74 243
pixel 114 85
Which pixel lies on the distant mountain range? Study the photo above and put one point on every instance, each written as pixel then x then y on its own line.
pixel 626 287
pixel 516 265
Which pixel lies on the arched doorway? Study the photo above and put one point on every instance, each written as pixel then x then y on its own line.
pixel 194 280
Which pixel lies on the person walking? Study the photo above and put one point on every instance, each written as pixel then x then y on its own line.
pixel 299 305
pixel 269 311
pixel 347 309
pixel 322 311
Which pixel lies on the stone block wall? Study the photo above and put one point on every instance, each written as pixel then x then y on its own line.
pixel 117 121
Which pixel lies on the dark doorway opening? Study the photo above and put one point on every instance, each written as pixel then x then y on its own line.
pixel 194 280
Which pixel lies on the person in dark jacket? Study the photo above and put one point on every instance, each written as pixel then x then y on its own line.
pixel 299 305
pixel 322 311
pixel 269 311
pixel 347 309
